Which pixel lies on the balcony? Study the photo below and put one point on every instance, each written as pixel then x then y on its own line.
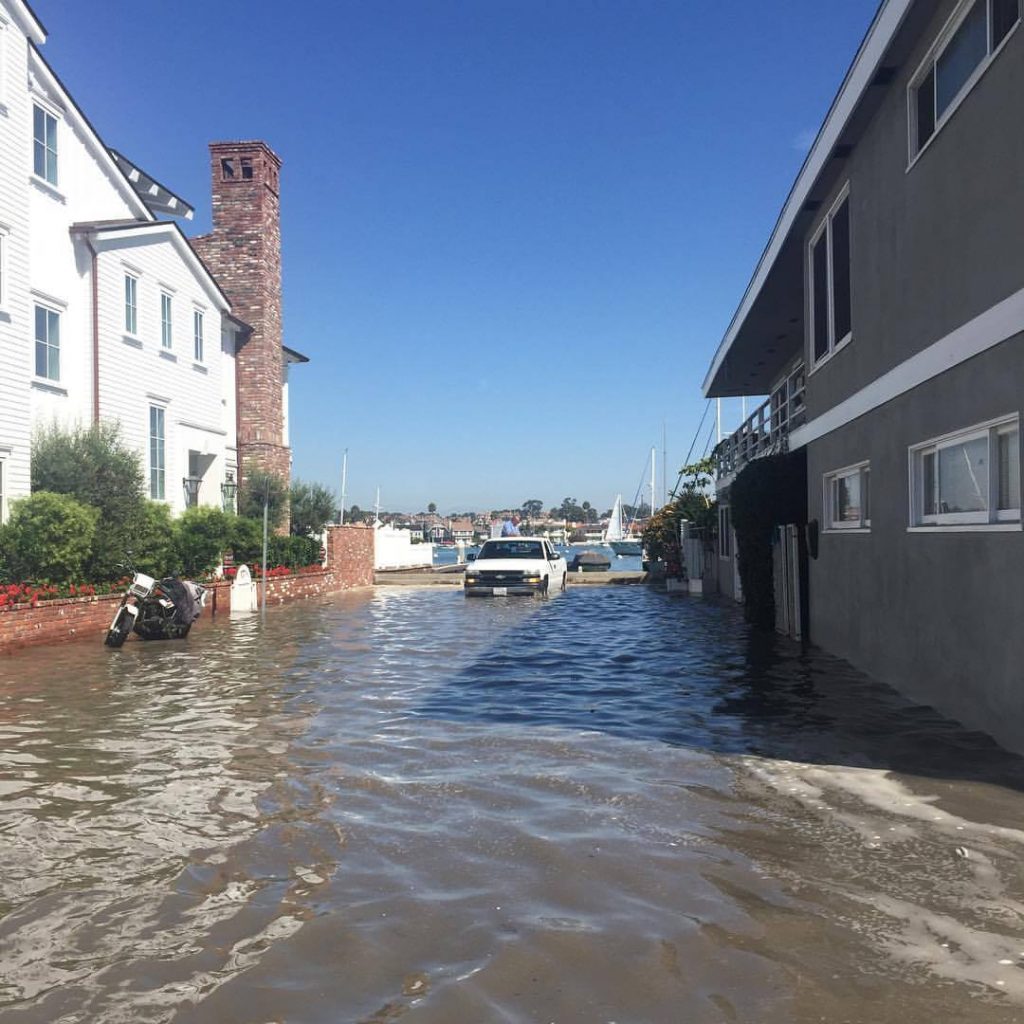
pixel 766 430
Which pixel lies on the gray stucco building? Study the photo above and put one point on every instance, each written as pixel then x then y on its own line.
pixel 885 320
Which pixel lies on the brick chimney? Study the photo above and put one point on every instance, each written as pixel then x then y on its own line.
pixel 244 254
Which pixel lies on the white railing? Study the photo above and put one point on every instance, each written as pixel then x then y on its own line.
pixel 766 430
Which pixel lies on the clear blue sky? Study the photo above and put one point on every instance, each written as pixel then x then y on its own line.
pixel 514 231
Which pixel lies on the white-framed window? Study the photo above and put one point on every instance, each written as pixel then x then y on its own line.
pixel 828 281
pixel 44 144
pixel 47 335
pixel 960 55
pixel 197 335
pixel 166 320
pixel 724 532
pixel 847 498
pixel 157 452
pixel 968 478
pixel 131 304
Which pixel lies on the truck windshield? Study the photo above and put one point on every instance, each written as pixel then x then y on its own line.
pixel 512 549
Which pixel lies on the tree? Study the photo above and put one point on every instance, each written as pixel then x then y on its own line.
pixel 355 515
pixel 569 509
pixel 92 465
pixel 312 507
pixel 432 508
pixel 533 508
pixel 257 485
pixel 691 502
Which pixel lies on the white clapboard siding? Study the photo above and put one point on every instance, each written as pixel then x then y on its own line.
pixel 15 312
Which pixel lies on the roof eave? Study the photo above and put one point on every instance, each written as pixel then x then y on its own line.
pixel 28 22
pixel 879 37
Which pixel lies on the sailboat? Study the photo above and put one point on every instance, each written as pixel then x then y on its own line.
pixel 617 536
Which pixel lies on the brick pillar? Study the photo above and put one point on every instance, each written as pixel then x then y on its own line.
pixel 350 551
pixel 244 254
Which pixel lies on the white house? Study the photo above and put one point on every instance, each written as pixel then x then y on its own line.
pixel 106 312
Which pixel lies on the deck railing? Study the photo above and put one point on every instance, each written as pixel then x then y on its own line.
pixel 766 430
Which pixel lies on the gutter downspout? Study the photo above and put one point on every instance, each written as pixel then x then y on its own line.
pixel 95 274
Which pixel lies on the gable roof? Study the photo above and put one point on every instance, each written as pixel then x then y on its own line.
pixel 91 137
pixel 115 230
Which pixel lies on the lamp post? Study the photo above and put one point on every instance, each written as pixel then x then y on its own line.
pixel 228 490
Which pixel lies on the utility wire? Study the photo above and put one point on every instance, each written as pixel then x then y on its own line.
pixel 696 434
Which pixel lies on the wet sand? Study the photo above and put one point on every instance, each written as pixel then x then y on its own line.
pixel 609 806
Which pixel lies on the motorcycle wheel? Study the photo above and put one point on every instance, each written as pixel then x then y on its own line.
pixel 119 629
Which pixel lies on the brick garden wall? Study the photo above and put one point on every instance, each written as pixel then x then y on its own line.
pixel 349 565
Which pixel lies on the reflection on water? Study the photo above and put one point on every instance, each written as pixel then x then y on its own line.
pixel 612 805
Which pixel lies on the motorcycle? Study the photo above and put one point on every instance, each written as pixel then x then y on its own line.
pixel 156 609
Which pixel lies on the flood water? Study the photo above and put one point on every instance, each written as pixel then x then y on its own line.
pixel 405 806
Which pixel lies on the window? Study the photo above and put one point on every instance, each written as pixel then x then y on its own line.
pixel 227 168
pixel 166 321
pixel 847 498
pixel 44 144
pixel 829 284
pixel 47 343
pixel 3 483
pixel 971 477
pixel 246 163
pixel 197 335
pixel 156 452
pixel 724 532
pixel 131 304
pixel 958 58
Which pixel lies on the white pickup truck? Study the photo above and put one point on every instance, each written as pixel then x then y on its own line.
pixel 516 565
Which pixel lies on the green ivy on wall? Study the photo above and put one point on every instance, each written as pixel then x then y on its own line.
pixel 768 492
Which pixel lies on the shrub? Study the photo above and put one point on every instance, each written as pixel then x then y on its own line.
pixel 293 552
pixel 92 465
pixel 245 538
pixel 49 537
pixel 153 545
pixel 200 537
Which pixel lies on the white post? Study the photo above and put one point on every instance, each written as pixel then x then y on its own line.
pixel 263 603
pixel 718 418
pixel 344 474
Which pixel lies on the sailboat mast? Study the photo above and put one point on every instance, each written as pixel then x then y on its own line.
pixel 654 455
pixel 664 462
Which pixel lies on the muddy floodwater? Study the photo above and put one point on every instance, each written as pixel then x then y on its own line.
pixel 611 806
